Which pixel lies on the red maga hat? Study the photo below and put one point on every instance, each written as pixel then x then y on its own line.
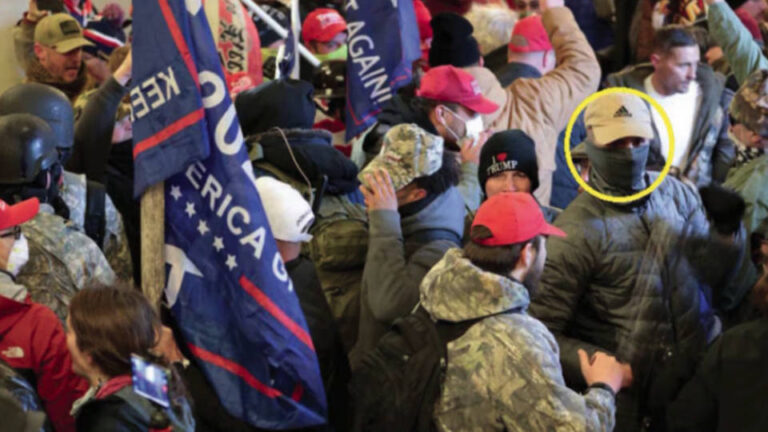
pixel 12 215
pixel 451 84
pixel 512 217
pixel 529 35
pixel 322 25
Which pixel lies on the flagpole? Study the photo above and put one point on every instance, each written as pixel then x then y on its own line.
pixel 277 28
pixel 152 244
pixel 295 30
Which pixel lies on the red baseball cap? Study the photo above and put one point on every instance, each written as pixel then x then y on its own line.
pixel 322 25
pixel 12 215
pixel 529 35
pixel 423 17
pixel 512 217
pixel 451 84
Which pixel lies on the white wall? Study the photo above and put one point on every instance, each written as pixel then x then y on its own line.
pixel 126 4
pixel 10 72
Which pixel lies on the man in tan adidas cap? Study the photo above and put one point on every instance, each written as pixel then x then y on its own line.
pixel 615 121
pixel 601 288
pixel 618 120
pixel 58 46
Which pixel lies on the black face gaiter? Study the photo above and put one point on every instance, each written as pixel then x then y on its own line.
pixel 617 171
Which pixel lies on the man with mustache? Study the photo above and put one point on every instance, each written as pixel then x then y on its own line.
pixel 50 47
pixel 696 101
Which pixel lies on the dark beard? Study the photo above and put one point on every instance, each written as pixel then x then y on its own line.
pixel 37 73
pixel 531 281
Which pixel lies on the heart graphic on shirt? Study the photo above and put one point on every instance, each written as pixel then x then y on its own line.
pixel 501 157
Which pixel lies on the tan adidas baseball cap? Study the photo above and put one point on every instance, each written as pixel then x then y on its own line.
pixel 61 32
pixel 618 115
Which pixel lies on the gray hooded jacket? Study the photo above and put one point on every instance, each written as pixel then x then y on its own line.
pixel 398 259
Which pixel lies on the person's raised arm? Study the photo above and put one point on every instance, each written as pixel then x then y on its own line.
pixel 577 74
pixel 740 50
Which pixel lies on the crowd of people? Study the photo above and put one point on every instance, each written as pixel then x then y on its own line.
pixel 456 270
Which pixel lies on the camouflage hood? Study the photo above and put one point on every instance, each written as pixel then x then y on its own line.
pixel 456 290
pixel 749 105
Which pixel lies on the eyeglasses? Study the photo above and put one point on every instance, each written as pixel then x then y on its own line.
pixel 15 232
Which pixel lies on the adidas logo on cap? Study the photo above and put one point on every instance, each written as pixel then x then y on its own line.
pixel 622 112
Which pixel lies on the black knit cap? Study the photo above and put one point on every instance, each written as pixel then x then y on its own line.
pixel 511 150
pixel 452 42
pixel 284 103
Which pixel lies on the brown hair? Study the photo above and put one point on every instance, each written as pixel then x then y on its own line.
pixel 672 36
pixel 111 323
pixel 500 260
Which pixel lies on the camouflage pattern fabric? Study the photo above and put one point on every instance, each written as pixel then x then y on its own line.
pixel 750 108
pixel 504 373
pixel 408 152
pixel 62 260
pixel 73 191
pixel 750 104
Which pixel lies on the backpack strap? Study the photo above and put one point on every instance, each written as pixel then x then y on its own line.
pixel 450 331
pixel 95 214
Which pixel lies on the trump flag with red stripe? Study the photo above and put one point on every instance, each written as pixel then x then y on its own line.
pixel 227 286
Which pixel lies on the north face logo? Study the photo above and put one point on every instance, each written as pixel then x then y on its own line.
pixel 622 112
pixel 13 352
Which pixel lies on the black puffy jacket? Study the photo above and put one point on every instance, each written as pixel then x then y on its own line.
pixel 728 392
pixel 636 281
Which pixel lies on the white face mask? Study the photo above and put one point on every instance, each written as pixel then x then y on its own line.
pixel 472 127
pixel 19 256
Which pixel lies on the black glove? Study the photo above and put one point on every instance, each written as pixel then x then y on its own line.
pixel 725 208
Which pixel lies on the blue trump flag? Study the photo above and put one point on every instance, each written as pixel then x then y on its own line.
pixel 382 44
pixel 289 65
pixel 227 286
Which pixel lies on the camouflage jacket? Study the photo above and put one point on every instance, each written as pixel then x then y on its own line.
pixel 62 260
pixel 73 192
pixel 504 373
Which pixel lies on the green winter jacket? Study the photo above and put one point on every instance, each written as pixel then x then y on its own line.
pixel 750 180
pixel 740 49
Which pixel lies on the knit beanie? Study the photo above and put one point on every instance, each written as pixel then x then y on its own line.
pixel 452 42
pixel 511 150
pixel 104 36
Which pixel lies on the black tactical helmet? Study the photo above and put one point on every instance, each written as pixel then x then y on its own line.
pixel 27 148
pixel 330 80
pixel 45 102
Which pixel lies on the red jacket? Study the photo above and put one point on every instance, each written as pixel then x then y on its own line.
pixel 33 342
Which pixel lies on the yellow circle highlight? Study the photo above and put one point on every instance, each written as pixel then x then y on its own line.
pixel 572 167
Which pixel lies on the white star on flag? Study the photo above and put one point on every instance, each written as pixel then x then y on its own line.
pixel 218 243
pixel 202 227
pixel 175 192
pixel 190 210
pixel 231 263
